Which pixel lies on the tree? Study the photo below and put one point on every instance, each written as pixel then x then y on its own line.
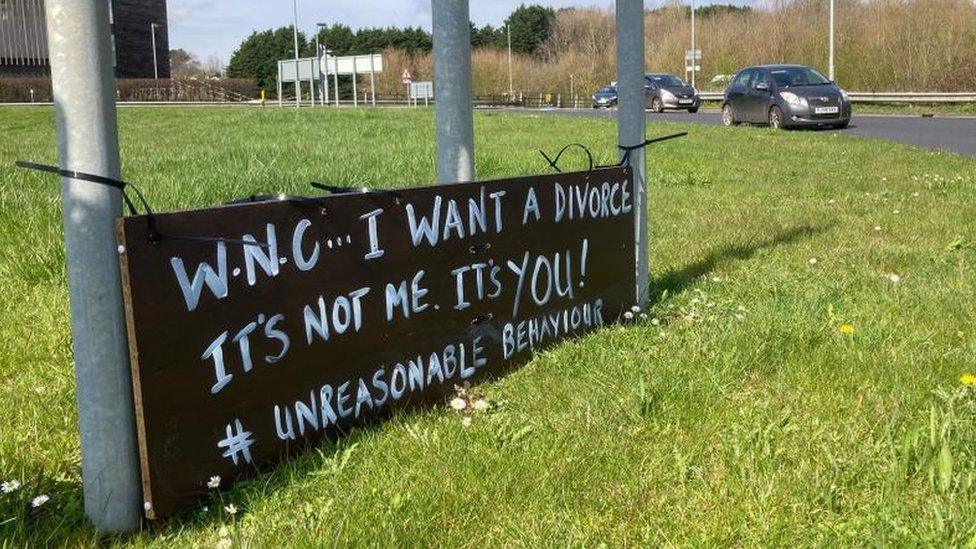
pixel 530 27
pixel 257 57
pixel 184 64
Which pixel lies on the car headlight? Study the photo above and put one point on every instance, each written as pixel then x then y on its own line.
pixel 845 96
pixel 594 98
pixel 667 96
pixel 793 99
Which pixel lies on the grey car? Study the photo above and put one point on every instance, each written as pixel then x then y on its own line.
pixel 785 96
pixel 666 91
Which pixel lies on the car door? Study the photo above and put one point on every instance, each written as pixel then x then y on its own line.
pixel 737 94
pixel 758 96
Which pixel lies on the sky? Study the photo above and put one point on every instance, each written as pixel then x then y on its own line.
pixel 215 27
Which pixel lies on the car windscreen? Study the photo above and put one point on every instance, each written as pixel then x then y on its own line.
pixel 798 76
pixel 607 89
pixel 666 80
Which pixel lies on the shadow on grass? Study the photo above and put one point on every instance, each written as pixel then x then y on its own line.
pixel 676 280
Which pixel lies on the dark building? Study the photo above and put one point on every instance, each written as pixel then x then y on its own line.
pixel 135 23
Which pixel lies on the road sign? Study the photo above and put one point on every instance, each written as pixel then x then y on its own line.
pixel 293 320
pixel 695 55
pixel 692 68
pixel 407 77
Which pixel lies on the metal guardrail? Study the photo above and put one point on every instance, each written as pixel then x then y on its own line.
pixel 887 97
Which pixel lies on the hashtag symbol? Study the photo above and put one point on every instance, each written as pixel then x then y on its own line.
pixel 237 443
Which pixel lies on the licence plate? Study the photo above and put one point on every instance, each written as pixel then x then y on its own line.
pixel 685 101
pixel 826 110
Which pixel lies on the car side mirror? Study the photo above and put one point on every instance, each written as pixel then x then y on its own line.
pixel 762 86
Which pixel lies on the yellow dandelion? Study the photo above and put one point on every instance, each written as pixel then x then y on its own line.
pixel 846 329
pixel 968 379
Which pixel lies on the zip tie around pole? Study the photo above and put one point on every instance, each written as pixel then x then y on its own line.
pixel 154 235
pixel 553 162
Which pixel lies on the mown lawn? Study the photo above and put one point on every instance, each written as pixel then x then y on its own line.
pixel 738 413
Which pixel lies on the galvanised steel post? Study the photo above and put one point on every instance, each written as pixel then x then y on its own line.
pixel 631 122
pixel 84 108
pixel 454 119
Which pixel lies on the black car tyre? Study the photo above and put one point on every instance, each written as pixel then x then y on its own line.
pixel 693 110
pixel 842 125
pixel 728 117
pixel 657 106
pixel 776 118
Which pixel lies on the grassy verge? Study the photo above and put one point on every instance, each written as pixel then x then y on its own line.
pixel 797 380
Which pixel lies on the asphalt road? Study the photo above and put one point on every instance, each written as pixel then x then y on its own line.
pixel 948 133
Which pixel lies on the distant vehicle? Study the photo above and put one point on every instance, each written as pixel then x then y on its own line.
pixel 665 91
pixel 605 97
pixel 785 96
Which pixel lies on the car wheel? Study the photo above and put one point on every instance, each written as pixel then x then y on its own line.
pixel 693 110
pixel 842 125
pixel 776 118
pixel 657 106
pixel 728 117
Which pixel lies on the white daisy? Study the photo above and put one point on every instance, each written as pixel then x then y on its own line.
pixel 481 405
pixel 40 500
pixel 10 486
pixel 231 509
pixel 214 482
pixel 458 404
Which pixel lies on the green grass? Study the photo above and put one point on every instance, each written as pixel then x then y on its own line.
pixel 737 414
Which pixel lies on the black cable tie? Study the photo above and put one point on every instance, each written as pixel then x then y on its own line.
pixel 155 235
pixel 90 178
pixel 335 189
pixel 553 162
pixel 629 148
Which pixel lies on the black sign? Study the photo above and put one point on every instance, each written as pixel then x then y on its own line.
pixel 314 315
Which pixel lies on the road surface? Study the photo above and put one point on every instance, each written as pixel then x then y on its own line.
pixel 949 133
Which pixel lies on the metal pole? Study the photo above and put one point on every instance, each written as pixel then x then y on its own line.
pixel 152 30
pixel 298 78
pixel 318 60
pixel 280 87
pixel 372 79
pixel 355 96
pixel 510 86
pixel 454 119
pixel 84 98
pixel 335 76
pixel 631 120
pixel 311 89
pixel 831 68
pixel 694 58
pixel 325 75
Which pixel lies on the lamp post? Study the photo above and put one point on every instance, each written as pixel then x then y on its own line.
pixel 298 79
pixel 831 61
pixel 693 56
pixel 152 32
pixel 511 92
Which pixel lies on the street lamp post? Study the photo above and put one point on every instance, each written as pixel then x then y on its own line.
pixel 693 56
pixel 298 79
pixel 831 62
pixel 152 32
pixel 511 92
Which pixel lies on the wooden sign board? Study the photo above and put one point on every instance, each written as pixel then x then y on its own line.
pixel 355 306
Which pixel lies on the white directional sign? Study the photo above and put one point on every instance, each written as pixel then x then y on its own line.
pixel 695 55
